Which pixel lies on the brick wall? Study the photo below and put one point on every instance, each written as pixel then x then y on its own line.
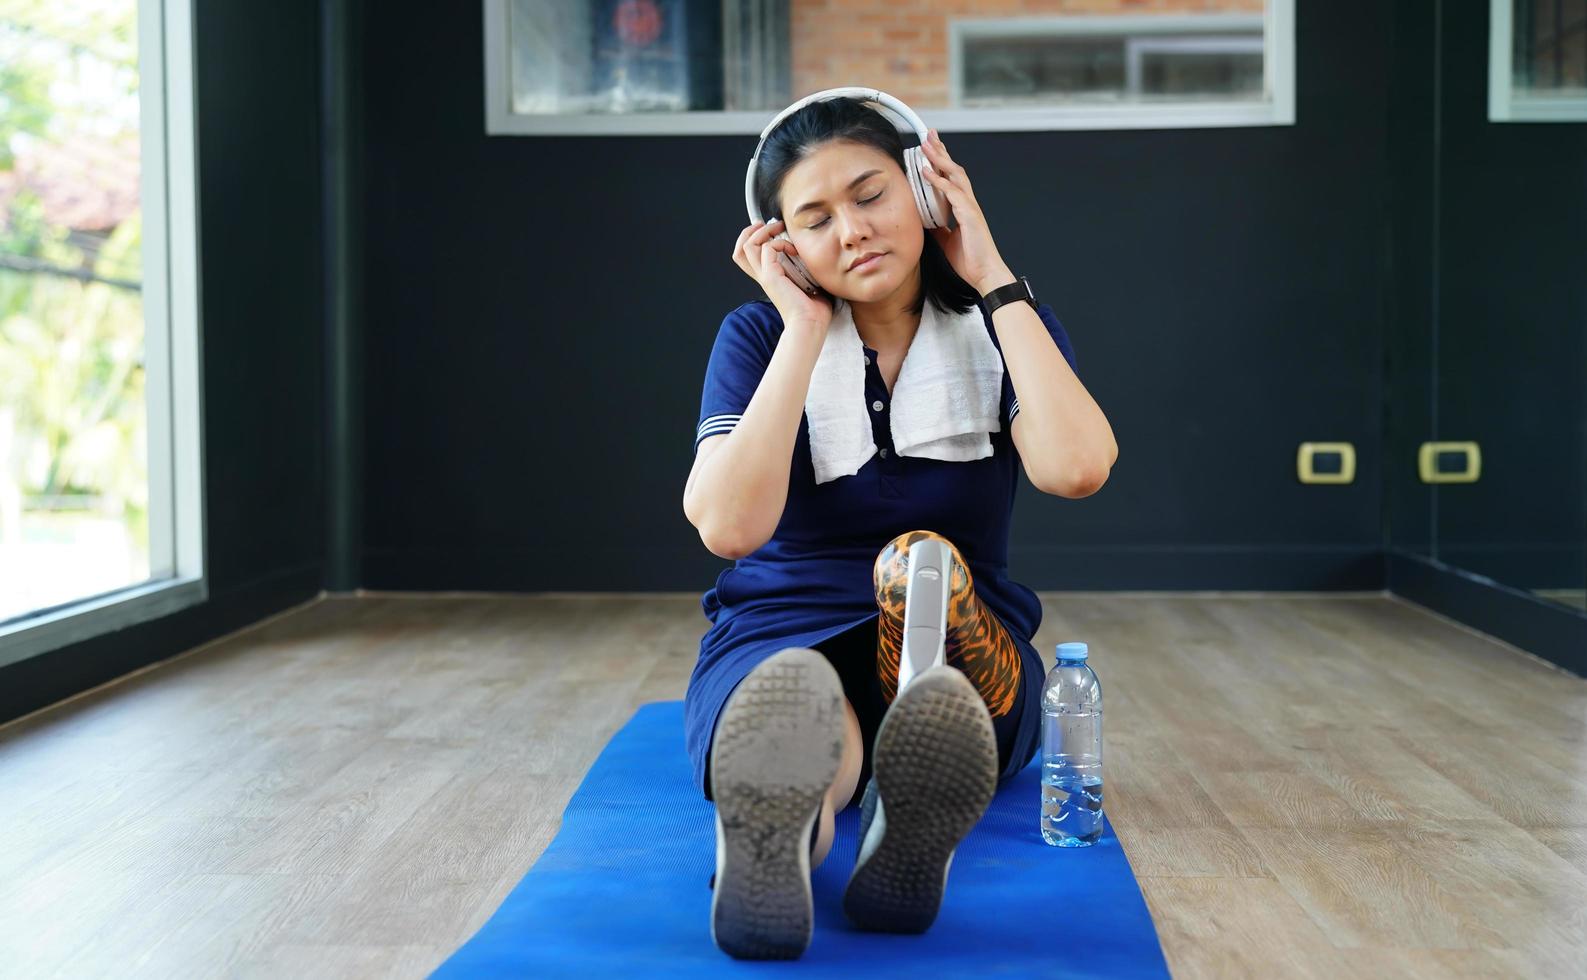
pixel 901 46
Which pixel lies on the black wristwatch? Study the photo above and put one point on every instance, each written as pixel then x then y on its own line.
pixel 1013 292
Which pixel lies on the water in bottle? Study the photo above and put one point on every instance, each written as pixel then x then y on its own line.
pixel 1071 751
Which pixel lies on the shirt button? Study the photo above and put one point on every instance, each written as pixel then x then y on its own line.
pixel 876 404
pixel 867 359
pixel 884 454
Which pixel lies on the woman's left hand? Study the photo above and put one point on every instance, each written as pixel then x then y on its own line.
pixel 969 247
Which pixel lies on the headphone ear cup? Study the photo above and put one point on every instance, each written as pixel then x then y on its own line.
pixel 933 208
pixel 912 164
pixel 941 209
pixel 796 270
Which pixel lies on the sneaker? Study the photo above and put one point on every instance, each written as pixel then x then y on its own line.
pixel 934 772
pixel 777 749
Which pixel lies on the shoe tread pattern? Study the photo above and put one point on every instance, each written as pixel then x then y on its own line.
pixel 935 769
pixel 776 751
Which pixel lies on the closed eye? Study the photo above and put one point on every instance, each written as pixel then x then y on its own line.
pixel 868 200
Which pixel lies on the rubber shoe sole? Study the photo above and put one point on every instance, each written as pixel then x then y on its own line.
pixel 935 769
pixel 777 749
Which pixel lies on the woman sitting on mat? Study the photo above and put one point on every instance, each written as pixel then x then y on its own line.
pixel 808 479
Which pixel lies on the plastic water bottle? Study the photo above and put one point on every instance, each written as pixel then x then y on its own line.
pixel 1071 751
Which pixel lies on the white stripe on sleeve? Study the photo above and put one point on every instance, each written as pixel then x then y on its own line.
pixel 716 425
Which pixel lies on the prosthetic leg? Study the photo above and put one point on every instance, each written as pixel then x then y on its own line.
pixel 925 610
pixel 935 766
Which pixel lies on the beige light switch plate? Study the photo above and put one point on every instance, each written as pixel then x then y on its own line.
pixel 1427 462
pixel 1305 462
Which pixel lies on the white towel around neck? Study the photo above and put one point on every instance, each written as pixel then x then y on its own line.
pixel 945 402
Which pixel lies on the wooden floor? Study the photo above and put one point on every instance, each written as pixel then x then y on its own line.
pixel 1305 786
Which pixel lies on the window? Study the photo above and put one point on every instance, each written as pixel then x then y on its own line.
pixel 590 67
pixel 1537 61
pixel 100 508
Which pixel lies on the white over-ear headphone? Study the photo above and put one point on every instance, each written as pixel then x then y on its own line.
pixel 933 207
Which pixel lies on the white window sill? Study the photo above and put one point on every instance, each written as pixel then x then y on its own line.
pixel 97 616
pixel 1540 110
pixel 1195 115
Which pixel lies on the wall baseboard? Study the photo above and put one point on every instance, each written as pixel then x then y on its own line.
pixel 1321 568
pixel 49 678
pixel 1194 568
pixel 1545 629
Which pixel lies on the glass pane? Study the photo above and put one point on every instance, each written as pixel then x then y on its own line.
pixel 74 481
pixel 1200 74
pixel 1049 69
pixel 627 56
pixel 1550 57
pixel 593 56
pixel 999 71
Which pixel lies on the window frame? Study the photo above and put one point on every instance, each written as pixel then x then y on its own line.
pixel 1503 103
pixel 1277 18
pixel 178 574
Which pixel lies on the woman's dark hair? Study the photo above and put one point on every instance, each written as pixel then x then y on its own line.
pixel 845 118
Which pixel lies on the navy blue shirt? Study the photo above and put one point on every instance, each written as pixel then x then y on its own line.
pixel 812 580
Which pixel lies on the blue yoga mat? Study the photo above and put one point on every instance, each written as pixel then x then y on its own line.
pixel 621 890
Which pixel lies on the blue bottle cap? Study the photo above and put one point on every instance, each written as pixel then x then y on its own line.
pixel 1072 651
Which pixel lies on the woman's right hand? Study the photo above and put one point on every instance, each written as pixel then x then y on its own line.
pixel 756 253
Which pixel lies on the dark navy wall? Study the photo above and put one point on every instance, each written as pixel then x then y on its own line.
pixel 540 312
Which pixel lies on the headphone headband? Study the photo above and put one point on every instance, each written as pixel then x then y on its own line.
pixel 900 115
